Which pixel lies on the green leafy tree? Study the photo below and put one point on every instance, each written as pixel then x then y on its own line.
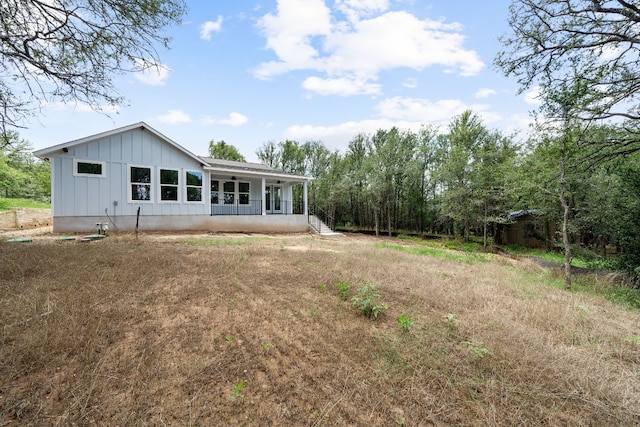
pixel 269 154
pixel 627 220
pixel 69 50
pixel 222 150
pixel 21 174
pixel 389 153
pixel 494 159
pixel 466 133
pixel 420 189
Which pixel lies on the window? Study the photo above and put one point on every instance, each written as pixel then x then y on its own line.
pixel 140 183
pixel 169 185
pixel 194 186
pixel 243 193
pixel 88 168
pixel 215 192
pixel 229 188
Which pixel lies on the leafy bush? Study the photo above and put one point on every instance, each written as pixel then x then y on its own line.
pixel 369 301
pixel 343 288
pixel 405 322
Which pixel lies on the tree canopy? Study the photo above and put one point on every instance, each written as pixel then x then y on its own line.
pixel 69 50
pixel 560 43
pixel 222 150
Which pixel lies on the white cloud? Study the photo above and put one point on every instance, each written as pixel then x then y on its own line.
pixel 306 35
pixel 210 27
pixel 403 113
pixel 410 83
pixel 339 136
pixel 343 86
pixel 485 93
pixel 289 32
pixel 153 75
pixel 425 111
pixel 234 119
pixel 408 114
pixel 356 9
pixel 532 97
pixel 174 117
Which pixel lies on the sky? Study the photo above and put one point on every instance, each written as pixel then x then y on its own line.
pixel 248 72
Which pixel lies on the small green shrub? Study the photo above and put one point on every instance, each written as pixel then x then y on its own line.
pixel 451 318
pixel 405 322
pixel 477 348
pixel 369 301
pixel 343 289
pixel 237 389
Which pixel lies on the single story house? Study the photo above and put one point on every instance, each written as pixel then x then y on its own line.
pixel 134 176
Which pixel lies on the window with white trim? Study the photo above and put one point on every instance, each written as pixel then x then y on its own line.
pixel 89 168
pixel 140 183
pixel 169 185
pixel 194 186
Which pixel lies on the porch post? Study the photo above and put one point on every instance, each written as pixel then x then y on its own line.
pixel 305 197
pixel 263 197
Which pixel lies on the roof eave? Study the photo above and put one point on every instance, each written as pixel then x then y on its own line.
pixel 276 175
pixel 47 152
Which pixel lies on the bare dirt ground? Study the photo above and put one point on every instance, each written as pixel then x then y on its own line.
pixel 231 329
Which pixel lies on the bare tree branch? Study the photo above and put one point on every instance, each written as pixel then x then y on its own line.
pixel 70 50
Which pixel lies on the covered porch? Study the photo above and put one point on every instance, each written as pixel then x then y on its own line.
pixel 238 189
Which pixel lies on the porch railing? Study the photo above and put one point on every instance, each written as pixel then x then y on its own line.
pixel 320 219
pixel 254 207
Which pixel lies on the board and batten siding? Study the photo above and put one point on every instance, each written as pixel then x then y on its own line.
pixel 90 196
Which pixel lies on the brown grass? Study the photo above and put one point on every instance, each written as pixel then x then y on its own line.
pixel 158 331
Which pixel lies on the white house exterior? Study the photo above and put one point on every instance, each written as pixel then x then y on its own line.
pixel 135 175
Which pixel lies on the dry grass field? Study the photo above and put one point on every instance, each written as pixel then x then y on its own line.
pixel 252 330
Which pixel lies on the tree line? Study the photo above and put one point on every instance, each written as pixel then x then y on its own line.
pixel 464 180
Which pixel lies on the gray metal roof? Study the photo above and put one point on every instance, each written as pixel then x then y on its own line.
pixel 521 213
pixel 230 164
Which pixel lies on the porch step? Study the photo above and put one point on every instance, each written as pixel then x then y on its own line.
pixel 324 229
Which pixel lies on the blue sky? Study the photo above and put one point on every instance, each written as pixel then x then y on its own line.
pixel 248 72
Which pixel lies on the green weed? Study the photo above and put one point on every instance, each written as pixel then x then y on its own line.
pixel 369 301
pixel 451 320
pixel 634 339
pixel 477 348
pixel 343 289
pixel 405 322
pixel 237 389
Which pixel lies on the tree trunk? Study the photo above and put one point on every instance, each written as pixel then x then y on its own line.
pixel 376 215
pixel 389 217
pixel 484 233
pixel 565 227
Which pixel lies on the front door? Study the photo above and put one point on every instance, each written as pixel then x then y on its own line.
pixel 274 199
